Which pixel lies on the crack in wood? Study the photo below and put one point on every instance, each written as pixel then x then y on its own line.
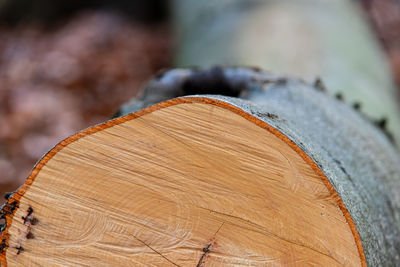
pixel 20 249
pixel 263 230
pixel 207 248
pixel 29 235
pixel 155 251
pixel 29 213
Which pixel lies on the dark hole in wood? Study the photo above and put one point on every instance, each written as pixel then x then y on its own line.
pixel 211 81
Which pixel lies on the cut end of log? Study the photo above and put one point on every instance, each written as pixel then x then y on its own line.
pixel 189 182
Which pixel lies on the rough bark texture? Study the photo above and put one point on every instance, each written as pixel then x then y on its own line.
pixel 355 155
pixel 310 38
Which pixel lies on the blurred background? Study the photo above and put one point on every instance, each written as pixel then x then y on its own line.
pixel 67 65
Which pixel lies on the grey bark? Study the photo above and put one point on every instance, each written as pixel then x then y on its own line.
pixel 354 154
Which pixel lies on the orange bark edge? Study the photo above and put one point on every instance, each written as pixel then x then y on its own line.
pixel 184 100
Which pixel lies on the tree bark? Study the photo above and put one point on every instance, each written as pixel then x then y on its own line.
pixel 252 169
pixel 350 150
pixel 284 174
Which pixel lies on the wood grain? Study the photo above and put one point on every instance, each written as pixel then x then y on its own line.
pixel 191 181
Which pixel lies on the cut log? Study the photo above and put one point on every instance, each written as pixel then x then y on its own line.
pixel 287 175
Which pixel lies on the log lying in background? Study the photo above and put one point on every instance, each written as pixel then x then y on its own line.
pixel 284 175
pixel 308 39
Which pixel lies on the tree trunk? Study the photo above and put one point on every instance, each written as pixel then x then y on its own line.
pixel 268 170
pixel 308 38
pixel 283 175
